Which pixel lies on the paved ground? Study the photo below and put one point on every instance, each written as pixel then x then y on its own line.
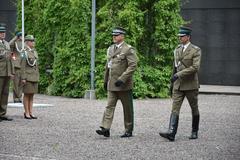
pixel 67 131
pixel 213 89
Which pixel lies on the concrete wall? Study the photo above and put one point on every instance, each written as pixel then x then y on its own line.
pixel 216 29
pixel 8 15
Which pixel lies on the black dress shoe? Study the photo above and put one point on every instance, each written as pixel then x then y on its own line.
pixel 104 132
pixel 126 134
pixel 5 118
pixel 26 117
pixel 17 101
pixel 194 135
pixel 169 136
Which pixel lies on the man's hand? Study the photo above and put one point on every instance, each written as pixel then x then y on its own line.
pixel 24 81
pixel 174 78
pixel 118 83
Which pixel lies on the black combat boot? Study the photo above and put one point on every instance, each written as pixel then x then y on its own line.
pixel 172 130
pixel 195 125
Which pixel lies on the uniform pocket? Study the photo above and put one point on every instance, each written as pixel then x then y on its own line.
pixel 187 62
pixel 3 66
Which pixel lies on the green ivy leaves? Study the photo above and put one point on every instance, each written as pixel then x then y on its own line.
pixel 63 29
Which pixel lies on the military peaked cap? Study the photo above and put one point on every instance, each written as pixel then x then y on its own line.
pixel 118 30
pixel 184 31
pixel 2 28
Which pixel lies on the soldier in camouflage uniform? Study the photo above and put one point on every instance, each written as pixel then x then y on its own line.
pixel 6 71
pixel 118 81
pixel 187 59
pixel 16 48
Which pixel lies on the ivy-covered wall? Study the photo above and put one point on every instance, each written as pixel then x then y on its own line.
pixel 63 28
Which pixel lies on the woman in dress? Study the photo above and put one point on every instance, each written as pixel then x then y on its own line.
pixel 30 76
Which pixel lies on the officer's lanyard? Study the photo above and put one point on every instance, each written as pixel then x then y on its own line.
pixel 35 60
pixel 16 45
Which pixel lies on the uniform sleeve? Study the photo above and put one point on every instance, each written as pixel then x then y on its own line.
pixel 12 43
pixel 12 67
pixel 106 74
pixel 195 66
pixel 132 65
pixel 23 69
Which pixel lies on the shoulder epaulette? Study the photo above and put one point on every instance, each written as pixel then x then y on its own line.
pixel 195 47
pixel 178 46
pixel 129 45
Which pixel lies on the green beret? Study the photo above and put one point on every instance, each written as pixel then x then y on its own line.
pixel 184 31
pixel 118 30
pixel 18 33
pixel 29 38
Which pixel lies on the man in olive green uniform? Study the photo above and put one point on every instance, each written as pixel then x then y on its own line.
pixel 16 47
pixel 120 66
pixel 6 71
pixel 187 59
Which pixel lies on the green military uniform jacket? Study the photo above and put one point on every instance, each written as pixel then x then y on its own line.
pixel 29 66
pixel 16 46
pixel 187 64
pixel 6 66
pixel 121 64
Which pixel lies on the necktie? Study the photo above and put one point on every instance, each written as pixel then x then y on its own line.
pixel 182 50
pixel 115 48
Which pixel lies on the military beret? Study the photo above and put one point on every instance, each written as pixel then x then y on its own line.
pixel 2 28
pixel 29 38
pixel 118 30
pixel 18 33
pixel 184 31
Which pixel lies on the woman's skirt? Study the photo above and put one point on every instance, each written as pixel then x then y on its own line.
pixel 30 87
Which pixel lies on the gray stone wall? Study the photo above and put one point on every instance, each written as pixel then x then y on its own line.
pixel 8 15
pixel 216 30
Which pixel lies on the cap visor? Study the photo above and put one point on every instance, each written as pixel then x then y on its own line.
pixel 181 34
pixel 115 34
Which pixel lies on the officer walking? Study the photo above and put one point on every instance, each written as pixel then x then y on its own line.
pixel 6 71
pixel 118 80
pixel 185 83
pixel 16 47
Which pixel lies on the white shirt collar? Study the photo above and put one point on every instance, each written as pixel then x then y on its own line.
pixel 185 46
pixel 119 45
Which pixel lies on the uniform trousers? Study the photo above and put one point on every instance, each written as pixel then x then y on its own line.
pixel 178 97
pixel 127 102
pixel 4 92
pixel 17 85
